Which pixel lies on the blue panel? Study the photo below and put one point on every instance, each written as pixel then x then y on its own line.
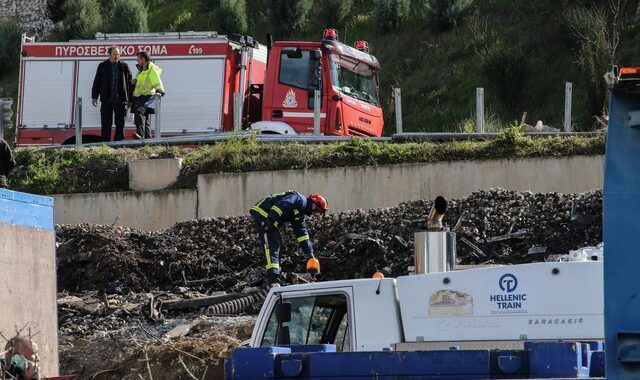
pixel 26 210
pixel 383 365
pixel 538 360
pixel 252 363
pixel 555 359
pixel 621 225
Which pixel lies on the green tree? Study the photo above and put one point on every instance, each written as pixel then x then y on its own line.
pixel 128 16
pixel 389 14
pixel 288 15
pixel 596 31
pixel 9 44
pixel 332 13
pixel 232 16
pixel 82 19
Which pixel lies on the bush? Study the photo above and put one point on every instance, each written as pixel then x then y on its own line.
pixel 332 13
pixel 444 15
pixel 9 45
pixel 506 68
pixel 128 16
pixel 232 16
pixel 389 14
pixel 289 15
pixel 82 19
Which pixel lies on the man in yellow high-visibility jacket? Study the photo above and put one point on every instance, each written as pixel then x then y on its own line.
pixel 148 85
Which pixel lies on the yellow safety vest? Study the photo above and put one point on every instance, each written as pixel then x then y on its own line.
pixel 148 81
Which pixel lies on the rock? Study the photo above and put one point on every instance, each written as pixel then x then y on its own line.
pixel 180 330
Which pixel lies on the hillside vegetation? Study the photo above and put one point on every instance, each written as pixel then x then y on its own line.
pixel 438 51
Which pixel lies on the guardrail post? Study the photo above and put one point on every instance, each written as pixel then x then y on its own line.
pixel 237 107
pixel 568 89
pixel 398 106
pixel 158 118
pixel 479 110
pixel 78 121
pixel 316 112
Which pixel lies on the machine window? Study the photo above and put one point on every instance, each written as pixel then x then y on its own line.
pixel 294 71
pixel 314 320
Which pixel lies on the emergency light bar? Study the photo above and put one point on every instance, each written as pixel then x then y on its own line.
pixel 362 46
pixel 330 34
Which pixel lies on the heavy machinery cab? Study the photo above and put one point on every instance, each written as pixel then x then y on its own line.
pixel 503 305
pixel 347 78
pixel 625 79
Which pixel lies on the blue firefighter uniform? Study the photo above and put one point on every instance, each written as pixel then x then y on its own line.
pixel 271 213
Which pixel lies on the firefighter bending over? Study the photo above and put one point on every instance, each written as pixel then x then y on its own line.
pixel 272 212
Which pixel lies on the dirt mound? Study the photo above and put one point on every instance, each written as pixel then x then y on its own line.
pixel 493 226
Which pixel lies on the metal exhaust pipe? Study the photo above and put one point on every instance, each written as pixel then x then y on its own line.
pixel 434 221
pixel 435 249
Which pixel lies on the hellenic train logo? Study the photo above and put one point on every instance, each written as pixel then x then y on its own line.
pixel 508 301
pixel 508 283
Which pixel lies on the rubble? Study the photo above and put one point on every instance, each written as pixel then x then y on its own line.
pixel 223 254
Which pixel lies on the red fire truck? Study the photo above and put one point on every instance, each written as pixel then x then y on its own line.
pixel 203 73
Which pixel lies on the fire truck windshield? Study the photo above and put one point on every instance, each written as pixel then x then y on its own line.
pixel 353 78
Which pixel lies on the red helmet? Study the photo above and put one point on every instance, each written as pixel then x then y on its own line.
pixel 320 202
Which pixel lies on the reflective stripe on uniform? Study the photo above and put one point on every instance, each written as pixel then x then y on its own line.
pixel 260 211
pixel 276 209
pixel 275 224
pixel 303 238
pixel 296 211
pixel 267 252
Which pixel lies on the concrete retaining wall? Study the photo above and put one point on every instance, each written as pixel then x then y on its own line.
pixel 146 211
pixel 28 273
pixel 382 186
pixel 345 188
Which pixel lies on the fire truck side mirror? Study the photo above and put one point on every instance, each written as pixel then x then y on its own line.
pixel 292 52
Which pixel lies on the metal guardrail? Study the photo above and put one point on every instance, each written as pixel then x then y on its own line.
pixel 200 139
pixel 447 136
pixel 213 138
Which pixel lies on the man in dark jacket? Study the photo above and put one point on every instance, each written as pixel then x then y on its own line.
pixel 112 85
pixel 7 162
pixel 272 212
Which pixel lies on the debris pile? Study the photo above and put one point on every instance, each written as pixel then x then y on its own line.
pixel 223 254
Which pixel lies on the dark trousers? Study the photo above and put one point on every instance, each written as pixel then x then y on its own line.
pixel 270 240
pixel 142 124
pixel 107 112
